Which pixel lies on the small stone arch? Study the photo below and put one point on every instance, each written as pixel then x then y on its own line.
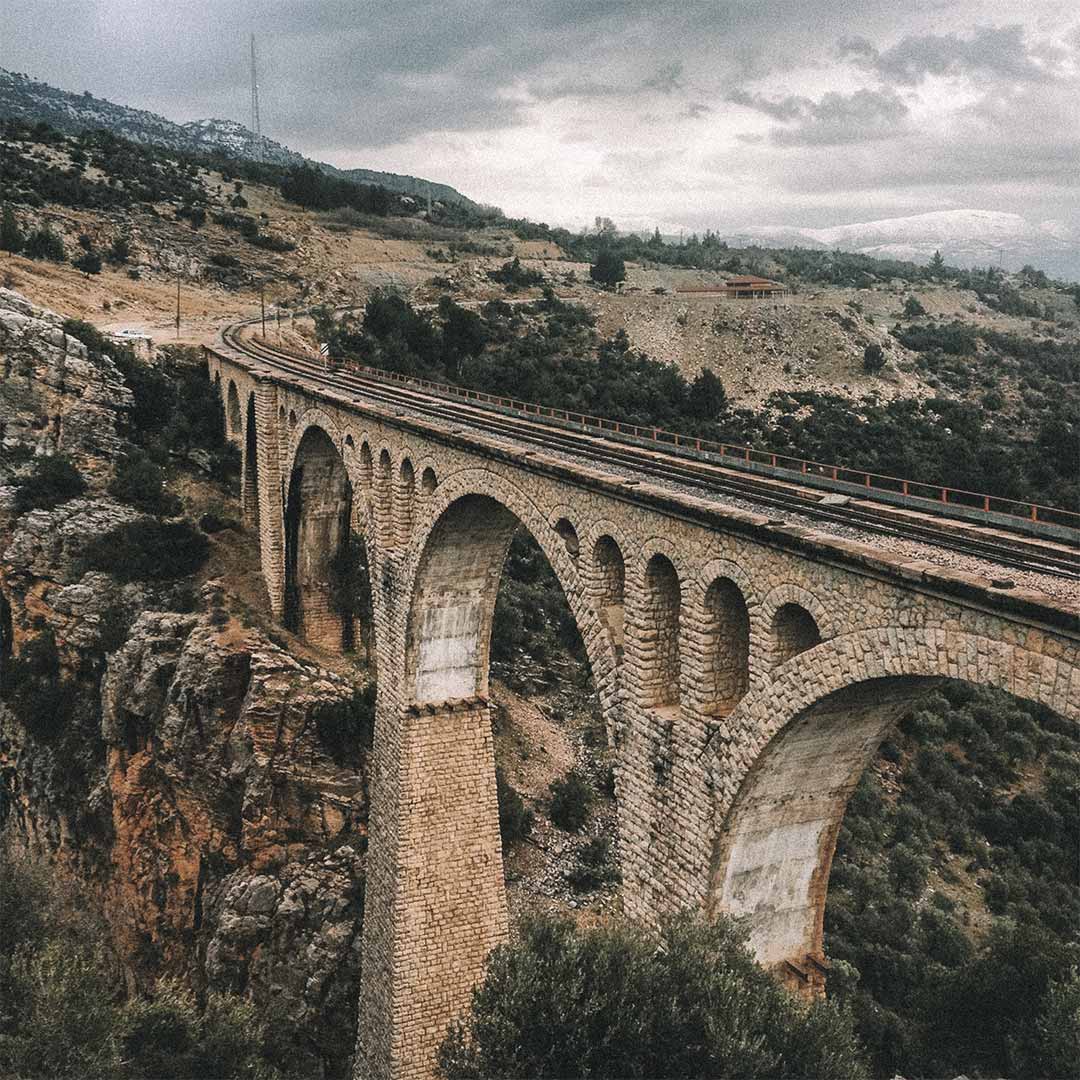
pixel 564 527
pixel 384 497
pixel 808 737
pixel 406 497
pixel 659 661
pixel 428 480
pixel 232 409
pixel 725 647
pixel 367 468
pixel 318 515
pixel 793 631
pixel 790 593
pixel 609 587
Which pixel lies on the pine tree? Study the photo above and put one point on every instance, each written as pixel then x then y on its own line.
pixel 11 237
pixel 937 265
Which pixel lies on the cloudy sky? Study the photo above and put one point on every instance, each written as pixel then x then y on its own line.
pixel 692 113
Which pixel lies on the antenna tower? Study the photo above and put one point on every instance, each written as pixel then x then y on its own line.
pixel 256 131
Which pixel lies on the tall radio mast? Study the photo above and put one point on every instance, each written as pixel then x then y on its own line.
pixel 256 132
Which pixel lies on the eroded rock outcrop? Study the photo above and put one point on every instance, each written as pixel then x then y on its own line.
pixel 201 782
pixel 237 838
pixel 53 396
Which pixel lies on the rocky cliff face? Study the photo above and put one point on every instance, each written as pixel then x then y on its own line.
pixel 198 784
pixel 53 397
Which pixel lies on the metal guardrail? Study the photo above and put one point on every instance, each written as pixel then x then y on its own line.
pixel 853 481
pixel 1033 518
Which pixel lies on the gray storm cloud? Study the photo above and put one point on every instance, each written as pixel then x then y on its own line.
pixel 785 108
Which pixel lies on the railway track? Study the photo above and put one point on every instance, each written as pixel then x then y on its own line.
pixel 1017 552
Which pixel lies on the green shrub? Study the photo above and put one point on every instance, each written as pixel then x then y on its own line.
pixel 515 818
pixel 65 1014
pixel 513 276
pixel 63 1022
pixel 148 550
pixel 594 866
pixel 44 244
pixel 214 523
pixel 140 482
pixel 11 235
pixel 616 1001
pixel 53 480
pixel 88 263
pixel 120 250
pixel 609 268
pixel 913 309
pixel 873 359
pixel 346 727
pixel 571 798
pixel 226 262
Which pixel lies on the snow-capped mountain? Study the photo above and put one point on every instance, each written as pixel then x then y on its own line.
pixel 28 99
pixel 964 238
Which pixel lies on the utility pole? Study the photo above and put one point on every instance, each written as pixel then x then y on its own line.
pixel 177 307
pixel 262 304
pixel 256 131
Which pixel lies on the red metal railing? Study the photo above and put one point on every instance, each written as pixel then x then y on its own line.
pixel 743 456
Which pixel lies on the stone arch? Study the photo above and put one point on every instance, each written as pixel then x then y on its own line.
pixel 433 715
pixel 249 495
pixel 232 408
pixel 809 736
pixel 794 630
pixel 429 481
pixel 383 497
pixel 609 587
pixel 724 645
pixel 657 626
pixel 318 513
pixel 564 527
pixel 406 498
pixel 790 593
pixel 510 499
pixel 367 469
pixel 301 425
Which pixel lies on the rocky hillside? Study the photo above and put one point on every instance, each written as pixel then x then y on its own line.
pixel 24 98
pixel 190 771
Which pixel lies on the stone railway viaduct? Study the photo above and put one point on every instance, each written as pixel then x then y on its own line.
pixel 747 672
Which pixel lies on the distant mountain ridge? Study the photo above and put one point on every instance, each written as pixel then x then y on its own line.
pixel 28 99
pixel 964 238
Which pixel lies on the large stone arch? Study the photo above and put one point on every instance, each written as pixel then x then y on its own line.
pixel 436 901
pixel 318 513
pixel 233 419
pixel 478 483
pixel 809 735
pixel 249 484
pixel 313 417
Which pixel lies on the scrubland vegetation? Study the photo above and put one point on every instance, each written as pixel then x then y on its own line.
pixel 953 905
pixel 66 1014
